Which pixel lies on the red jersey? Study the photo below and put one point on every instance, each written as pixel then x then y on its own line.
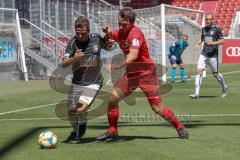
pixel 134 39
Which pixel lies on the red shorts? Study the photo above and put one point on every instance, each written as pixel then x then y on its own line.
pixel 147 81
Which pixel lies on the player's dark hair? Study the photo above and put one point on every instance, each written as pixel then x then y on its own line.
pixel 82 21
pixel 127 13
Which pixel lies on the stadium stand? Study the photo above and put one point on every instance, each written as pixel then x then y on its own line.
pixel 224 13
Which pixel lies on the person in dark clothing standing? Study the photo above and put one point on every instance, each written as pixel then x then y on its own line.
pixel 175 57
pixel 212 37
pixel 83 53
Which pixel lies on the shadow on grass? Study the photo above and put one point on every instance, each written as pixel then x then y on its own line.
pixel 23 137
pixel 193 124
pixel 118 139
pixel 30 133
pixel 208 96
pixel 131 138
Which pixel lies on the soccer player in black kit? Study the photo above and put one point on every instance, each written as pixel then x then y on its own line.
pixel 83 53
pixel 212 37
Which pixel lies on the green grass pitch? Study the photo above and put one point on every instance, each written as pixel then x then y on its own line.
pixel 214 126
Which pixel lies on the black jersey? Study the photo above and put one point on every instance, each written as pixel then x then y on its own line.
pixel 88 69
pixel 213 33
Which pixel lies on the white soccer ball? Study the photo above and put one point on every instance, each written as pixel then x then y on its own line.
pixel 47 139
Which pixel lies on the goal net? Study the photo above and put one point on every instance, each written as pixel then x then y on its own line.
pixel 162 26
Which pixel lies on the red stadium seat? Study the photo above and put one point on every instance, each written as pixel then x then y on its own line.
pixel 218 12
pixel 218 7
pixel 177 3
pixel 221 20
pixel 228 16
pixel 224 12
pixel 216 16
pixel 227 27
pixel 237 8
pixel 196 6
pixel 225 32
pixel 190 5
pixel 231 8
pixel 225 8
pixel 228 20
pixel 220 4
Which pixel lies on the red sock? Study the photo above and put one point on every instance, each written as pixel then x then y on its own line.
pixel 113 113
pixel 169 116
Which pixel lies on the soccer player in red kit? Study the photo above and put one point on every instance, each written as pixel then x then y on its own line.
pixel 140 72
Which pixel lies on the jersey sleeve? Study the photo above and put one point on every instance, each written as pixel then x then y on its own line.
pixel 115 34
pixel 219 33
pixel 102 41
pixel 70 49
pixel 136 39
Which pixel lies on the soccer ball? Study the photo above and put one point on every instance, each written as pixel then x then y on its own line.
pixel 47 139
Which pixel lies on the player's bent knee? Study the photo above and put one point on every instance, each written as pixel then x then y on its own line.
pixel 215 74
pixel 158 108
pixel 200 71
pixel 112 99
pixel 182 66
pixel 115 96
pixel 81 107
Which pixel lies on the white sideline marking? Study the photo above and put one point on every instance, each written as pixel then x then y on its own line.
pixel 30 108
pixel 232 72
pixel 102 117
pixel 28 119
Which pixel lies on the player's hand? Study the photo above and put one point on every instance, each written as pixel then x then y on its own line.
pixel 107 29
pixel 110 67
pixel 109 45
pixel 78 54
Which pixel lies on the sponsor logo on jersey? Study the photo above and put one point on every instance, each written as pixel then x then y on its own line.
pixel 95 48
pixel 135 43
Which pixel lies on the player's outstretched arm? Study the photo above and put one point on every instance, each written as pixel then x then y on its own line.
pixel 109 42
pixel 68 61
pixel 131 57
